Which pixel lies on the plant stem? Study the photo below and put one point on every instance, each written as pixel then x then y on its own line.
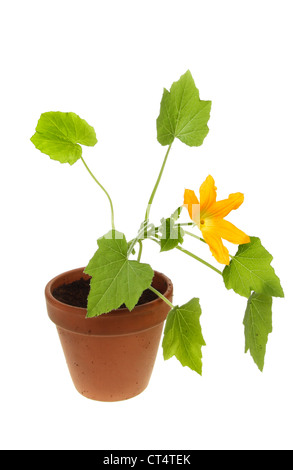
pixel 133 242
pixel 107 194
pixel 199 259
pixel 140 250
pixel 161 296
pixel 185 224
pixel 192 255
pixel 154 239
pixel 157 184
pixel 195 236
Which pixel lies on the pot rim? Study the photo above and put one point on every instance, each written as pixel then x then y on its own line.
pixel 111 323
pixel 49 287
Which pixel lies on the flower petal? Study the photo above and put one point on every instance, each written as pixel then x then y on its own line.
pixel 217 248
pixel 222 208
pixel 192 204
pixel 228 231
pixel 208 194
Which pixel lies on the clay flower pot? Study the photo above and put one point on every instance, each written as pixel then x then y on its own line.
pixel 110 357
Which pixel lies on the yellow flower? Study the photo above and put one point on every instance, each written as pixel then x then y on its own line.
pixel 208 214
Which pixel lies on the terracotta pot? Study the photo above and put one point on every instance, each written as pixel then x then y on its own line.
pixel 110 357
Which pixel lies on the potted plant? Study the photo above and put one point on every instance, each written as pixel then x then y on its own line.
pixel 110 314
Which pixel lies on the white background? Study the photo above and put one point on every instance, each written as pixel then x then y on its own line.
pixel 108 62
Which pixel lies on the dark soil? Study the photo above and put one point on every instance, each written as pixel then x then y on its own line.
pixel 77 292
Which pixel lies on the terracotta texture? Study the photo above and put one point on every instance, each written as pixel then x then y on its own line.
pixel 110 357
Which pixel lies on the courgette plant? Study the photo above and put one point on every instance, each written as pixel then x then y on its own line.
pixel 117 274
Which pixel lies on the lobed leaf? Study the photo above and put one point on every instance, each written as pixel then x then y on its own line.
pixel 183 114
pixel 115 279
pixel 58 135
pixel 257 326
pixel 250 270
pixel 183 336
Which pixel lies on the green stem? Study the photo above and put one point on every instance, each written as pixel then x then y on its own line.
pixel 157 184
pixel 154 239
pixel 161 296
pixel 107 194
pixel 185 224
pixel 140 250
pixel 195 236
pixel 199 259
pixel 192 255
pixel 133 242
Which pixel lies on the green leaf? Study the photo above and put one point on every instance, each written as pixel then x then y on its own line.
pixel 183 114
pixel 183 336
pixel 115 280
pixel 250 270
pixel 257 326
pixel 58 135
pixel 176 214
pixel 172 234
